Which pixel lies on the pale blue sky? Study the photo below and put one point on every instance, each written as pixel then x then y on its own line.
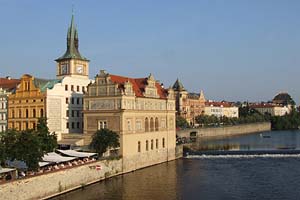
pixel 232 49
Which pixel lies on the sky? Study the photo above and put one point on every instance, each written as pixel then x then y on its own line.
pixel 235 50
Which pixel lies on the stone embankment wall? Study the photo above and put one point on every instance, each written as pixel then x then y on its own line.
pixel 53 183
pixel 226 130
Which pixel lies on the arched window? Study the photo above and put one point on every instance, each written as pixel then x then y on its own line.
pixel 151 144
pixel 156 143
pixel 42 112
pixel 147 145
pixel 151 124
pixel 163 142
pixel 139 146
pixel 146 125
pixel 156 124
pixel 34 113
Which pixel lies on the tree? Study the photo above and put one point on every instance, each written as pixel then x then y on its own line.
pixel 104 139
pixel 48 141
pixel 181 122
pixel 22 146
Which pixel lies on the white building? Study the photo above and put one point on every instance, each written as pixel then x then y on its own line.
pixel 272 109
pixel 221 109
pixel 65 98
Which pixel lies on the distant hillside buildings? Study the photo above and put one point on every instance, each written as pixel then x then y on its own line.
pixel 281 104
pixel 190 105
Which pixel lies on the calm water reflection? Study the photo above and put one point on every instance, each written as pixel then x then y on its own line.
pixel 260 141
pixel 210 178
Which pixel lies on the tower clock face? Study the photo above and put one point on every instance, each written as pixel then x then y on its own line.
pixel 79 69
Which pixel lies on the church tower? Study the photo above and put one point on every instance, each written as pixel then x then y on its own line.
pixel 72 63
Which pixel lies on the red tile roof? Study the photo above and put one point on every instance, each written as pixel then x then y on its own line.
pixel 218 104
pixel 9 84
pixel 138 85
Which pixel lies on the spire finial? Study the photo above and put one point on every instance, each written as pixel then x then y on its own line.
pixel 72 8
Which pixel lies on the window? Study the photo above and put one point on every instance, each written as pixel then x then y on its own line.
pixel 156 124
pixel 102 124
pixel 156 144
pixel 34 113
pixel 83 90
pixel 66 87
pixel 73 125
pixel 13 114
pixel 146 125
pixel 33 125
pixel 78 100
pixel 67 100
pixel 67 113
pixel 147 145
pixel 20 114
pixel 26 124
pixel 151 144
pixel 78 88
pixel 72 87
pixel 78 125
pixel 163 142
pixel 78 113
pixel 42 112
pixel 72 113
pixel 67 125
pixel 139 146
pixel 72 100
pixel 27 114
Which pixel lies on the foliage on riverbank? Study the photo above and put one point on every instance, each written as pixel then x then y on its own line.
pixel 290 121
pixel 246 116
pixel 28 146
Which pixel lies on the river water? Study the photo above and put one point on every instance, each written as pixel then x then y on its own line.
pixel 271 170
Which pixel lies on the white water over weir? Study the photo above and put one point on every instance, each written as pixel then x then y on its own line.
pixel 243 156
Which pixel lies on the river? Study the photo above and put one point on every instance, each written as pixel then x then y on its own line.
pixel 261 174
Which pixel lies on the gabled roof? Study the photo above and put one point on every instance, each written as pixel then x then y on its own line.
pixel 178 86
pixel 8 83
pixel 138 85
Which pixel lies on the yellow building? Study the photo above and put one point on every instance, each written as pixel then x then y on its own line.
pixel 27 103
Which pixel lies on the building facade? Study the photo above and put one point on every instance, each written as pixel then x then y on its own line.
pixel 27 103
pixel 272 109
pixel 220 109
pixel 188 105
pixel 140 110
pixel 7 85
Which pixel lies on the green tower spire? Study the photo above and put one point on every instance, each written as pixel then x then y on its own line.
pixel 72 51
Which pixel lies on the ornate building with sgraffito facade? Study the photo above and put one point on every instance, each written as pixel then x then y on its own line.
pixel 140 110
pixel 188 105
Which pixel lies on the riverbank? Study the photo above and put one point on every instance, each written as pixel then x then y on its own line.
pixel 224 131
pixel 55 183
